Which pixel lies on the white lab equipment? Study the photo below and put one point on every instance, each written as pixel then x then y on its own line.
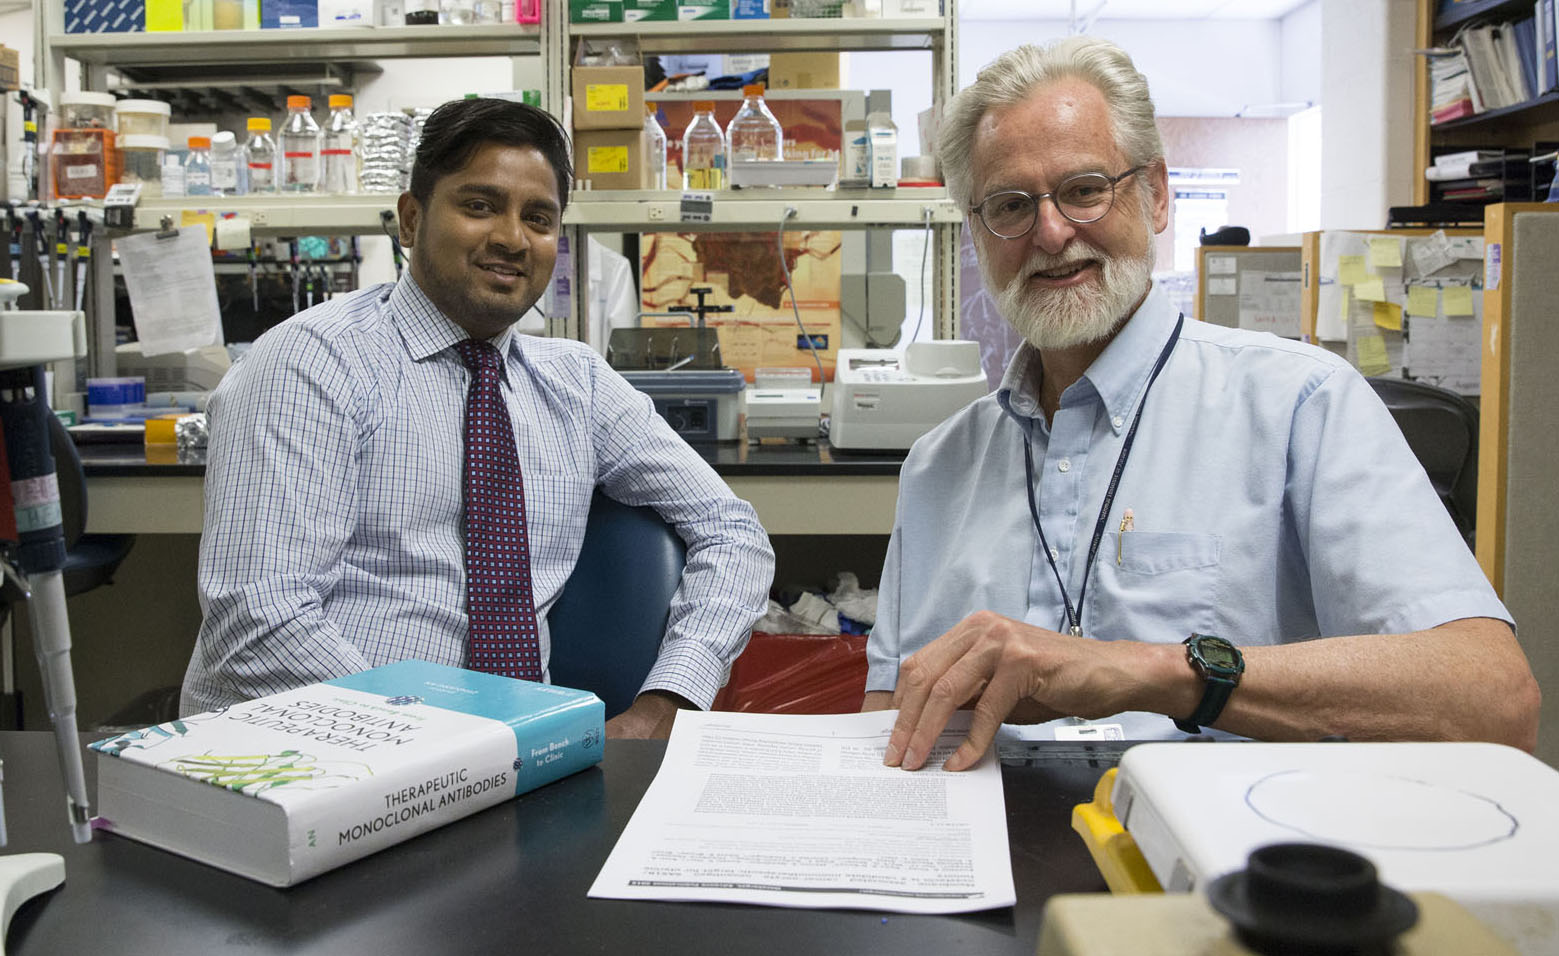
pixel 884 399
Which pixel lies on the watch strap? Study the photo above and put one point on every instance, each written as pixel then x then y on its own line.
pixel 1214 696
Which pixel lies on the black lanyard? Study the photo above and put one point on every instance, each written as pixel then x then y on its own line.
pixel 1074 616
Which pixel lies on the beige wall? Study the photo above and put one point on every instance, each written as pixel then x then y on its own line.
pixel 1258 148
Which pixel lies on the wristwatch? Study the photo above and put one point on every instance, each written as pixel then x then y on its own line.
pixel 1220 664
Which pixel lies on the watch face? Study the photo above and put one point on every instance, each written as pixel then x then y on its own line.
pixel 1218 654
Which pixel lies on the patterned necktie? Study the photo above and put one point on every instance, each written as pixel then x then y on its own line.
pixel 503 636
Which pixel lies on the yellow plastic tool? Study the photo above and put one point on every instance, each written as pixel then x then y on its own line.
pixel 1114 851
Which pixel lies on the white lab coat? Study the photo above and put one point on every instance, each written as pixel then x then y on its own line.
pixel 614 298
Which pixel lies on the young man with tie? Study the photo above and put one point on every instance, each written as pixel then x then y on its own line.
pixel 398 473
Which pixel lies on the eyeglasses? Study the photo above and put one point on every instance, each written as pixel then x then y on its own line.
pixel 1084 198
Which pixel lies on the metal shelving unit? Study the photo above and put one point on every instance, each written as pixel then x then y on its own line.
pixel 339 51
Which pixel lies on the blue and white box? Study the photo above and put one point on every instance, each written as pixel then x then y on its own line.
pixel 105 16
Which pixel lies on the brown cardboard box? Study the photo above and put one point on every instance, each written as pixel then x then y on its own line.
pixel 607 97
pixel 804 71
pixel 610 158
pixel 10 69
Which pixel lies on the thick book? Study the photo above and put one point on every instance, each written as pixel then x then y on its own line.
pixel 1445 172
pixel 285 787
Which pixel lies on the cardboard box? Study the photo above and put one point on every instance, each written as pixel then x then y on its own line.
pixel 804 71
pixel 595 11
pixel 10 69
pixel 704 10
pixel 610 158
pixel 636 10
pixel 607 97
pixel 105 16
pixel 749 9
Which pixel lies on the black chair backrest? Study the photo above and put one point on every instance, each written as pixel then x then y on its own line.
pixel 607 625
pixel 1442 429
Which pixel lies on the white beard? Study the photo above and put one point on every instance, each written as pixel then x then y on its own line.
pixel 1066 318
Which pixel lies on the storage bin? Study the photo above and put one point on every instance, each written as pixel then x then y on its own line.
pixel 143 117
pixel 87 111
pixel 141 162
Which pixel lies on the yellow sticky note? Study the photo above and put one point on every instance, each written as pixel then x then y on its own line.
pixel 191 217
pixel 1457 299
pixel 164 16
pixel 1345 300
pixel 1385 253
pixel 1423 300
pixel 1373 290
pixel 1351 270
pixel 606 97
pixel 606 159
pixel 1388 316
pixel 1372 355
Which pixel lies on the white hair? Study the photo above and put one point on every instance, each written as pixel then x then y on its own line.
pixel 1016 74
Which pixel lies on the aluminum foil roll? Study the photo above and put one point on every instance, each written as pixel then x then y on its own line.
pixel 190 431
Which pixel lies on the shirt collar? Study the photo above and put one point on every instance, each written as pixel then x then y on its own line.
pixel 425 329
pixel 1117 375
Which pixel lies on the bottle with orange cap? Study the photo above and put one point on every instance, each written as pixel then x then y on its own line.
pixel 260 155
pixel 703 149
pixel 299 148
pixel 754 134
pixel 197 167
pixel 339 151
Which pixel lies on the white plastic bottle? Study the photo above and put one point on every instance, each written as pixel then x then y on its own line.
pixel 883 138
pixel 260 156
pixel 340 150
pixel 225 162
pixel 654 149
pixel 703 150
pixel 197 167
pixel 754 134
pixel 299 148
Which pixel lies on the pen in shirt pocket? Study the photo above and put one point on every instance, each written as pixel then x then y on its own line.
pixel 1128 523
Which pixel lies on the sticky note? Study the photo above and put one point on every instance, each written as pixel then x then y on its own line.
pixel 233 234
pixel 1457 299
pixel 1351 270
pixel 1388 316
pixel 1220 265
pixel 606 97
pixel 1372 355
pixel 1346 300
pixel 606 159
pixel 191 217
pixel 1423 300
pixel 1373 290
pixel 1385 253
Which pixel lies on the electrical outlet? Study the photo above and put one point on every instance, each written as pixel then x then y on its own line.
pixel 657 212
pixel 259 217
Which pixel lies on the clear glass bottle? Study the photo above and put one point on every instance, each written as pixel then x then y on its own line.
pixel 754 134
pixel 299 148
pixel 489 11
pixel 197 167
pixel 340 150
pixel 260 155
pixel 654 149
pixel 226 179
pixel 456 12
pixel 703 150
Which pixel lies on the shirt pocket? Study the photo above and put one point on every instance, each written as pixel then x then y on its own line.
pixel 1155 586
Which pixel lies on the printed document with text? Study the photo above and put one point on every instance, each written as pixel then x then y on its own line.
pixel 799 811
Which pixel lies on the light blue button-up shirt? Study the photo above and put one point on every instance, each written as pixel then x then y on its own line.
pixel 1273 499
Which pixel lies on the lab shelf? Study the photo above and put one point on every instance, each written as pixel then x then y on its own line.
pixel 763 36
pixel 625 211
pixel 283 46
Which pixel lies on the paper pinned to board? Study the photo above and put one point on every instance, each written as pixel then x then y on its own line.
pixel 1385 252
pixel 1388 316
pixel 1423 300
pixel 1351 270
pixel 1457 299
pixel 798 811
pixel 173 290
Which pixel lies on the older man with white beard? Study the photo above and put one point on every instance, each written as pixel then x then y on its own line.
pixel 1154 523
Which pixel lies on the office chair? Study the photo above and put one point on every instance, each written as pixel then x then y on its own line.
pixel 608 623
pixel 90 559
pixel 1442 429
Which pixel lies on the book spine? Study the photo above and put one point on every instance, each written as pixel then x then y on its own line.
pixel 472 775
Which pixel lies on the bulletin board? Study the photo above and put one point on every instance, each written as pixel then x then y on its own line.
pixel 1249 287
pixel 1401 304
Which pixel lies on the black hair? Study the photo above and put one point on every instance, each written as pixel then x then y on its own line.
pixel 458 128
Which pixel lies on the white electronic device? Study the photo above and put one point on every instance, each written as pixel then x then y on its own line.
pixel 1474 821
pixel 884 399
pixel 783 403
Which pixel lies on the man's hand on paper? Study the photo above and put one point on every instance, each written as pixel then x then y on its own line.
pixel 649 717
pixel 1007 671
